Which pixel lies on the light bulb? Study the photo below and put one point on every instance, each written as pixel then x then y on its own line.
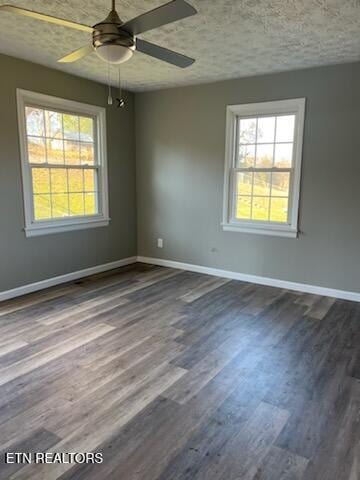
pixel 113 53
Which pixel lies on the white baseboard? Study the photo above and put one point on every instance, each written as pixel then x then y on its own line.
pixel 69 277
pixel 273 282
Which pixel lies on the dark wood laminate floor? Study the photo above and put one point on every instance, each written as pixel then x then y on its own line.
pixel 175 375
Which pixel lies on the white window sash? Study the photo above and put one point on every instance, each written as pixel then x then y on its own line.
pixel 53 166
pixel 233 199
pixel 40 227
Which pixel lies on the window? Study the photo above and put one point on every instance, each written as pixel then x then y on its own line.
pixel 262 167
pixel 63 151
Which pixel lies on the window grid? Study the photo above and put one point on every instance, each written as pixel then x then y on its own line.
pixel 258 169
pixel 81 207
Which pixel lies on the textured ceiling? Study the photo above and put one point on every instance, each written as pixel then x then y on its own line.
pixel 228 38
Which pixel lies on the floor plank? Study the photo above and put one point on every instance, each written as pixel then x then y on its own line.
pixel 280 464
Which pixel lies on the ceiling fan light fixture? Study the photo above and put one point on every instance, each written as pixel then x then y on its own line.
pixel 114 53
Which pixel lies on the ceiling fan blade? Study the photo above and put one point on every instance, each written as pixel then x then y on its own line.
pixel 77 54
pixel 163 54
pixel 168 13
pixel 45 18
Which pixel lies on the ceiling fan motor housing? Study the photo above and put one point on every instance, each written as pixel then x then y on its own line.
pixel 108 32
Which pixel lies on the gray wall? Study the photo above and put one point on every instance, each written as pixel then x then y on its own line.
pixel 26 260
pixel 180 139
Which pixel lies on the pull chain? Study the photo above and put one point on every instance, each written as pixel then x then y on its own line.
pixel 120 100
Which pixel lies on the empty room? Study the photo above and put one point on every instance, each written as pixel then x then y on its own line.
pixel 179 240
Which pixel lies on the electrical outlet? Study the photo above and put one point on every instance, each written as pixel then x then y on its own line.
pixel 160 243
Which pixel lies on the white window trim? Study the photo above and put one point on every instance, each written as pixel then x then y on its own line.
pixel 229 223
pixel 44 227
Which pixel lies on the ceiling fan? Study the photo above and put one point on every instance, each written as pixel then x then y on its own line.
pixel 115 41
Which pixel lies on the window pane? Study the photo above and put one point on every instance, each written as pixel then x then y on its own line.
pixel 260 208
pixel 34 121
pixel 36 150
pixel 89 181
pixel 279 210
pixel 55 151
pixel 244 183
pixel 41 180
pixel 72 153
pixel 262 182
pixel 76 201
pixel 53 123
pixel 60 206
pixel 285 128
pixel 283 155
pixel 266 130
pixel 86 129
pixel 243 208
pixel 264 155
pixel 71 127
pixel 246 156
pixel 87 153
pixel 76 182
pixel 247 132
pixel 59 182
pixel 90 204
pixel 42 207
pixel 280 184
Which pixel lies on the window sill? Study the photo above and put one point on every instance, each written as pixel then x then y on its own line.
pixel 287 231
pixel 59 227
